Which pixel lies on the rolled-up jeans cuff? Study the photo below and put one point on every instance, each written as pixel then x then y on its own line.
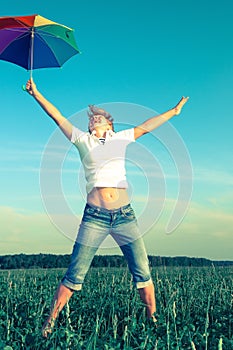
pixel 143 284
pixel 70 285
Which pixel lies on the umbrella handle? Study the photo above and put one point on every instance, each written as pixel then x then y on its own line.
pixel 32 52
pixel 31 57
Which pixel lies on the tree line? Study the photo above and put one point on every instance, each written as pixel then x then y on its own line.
pixel 32 261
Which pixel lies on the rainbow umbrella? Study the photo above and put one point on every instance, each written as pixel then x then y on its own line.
pixel 34 42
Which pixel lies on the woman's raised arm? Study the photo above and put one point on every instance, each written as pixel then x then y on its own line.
pixel 65 126
pixel 155 122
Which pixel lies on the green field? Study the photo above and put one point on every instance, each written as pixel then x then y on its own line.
pixel 194 308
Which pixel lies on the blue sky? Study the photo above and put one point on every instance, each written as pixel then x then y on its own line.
pixel 138 58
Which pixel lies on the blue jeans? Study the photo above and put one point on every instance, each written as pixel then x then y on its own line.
pixel 97 223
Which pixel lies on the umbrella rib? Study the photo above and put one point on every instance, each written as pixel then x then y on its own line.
pixel 49 34
pixel 17 30
pixel 17 20
pixel 21 36
pixel 55 24
pixel 37 30
pixel 21 23
pixel 14 29
pixel 26 33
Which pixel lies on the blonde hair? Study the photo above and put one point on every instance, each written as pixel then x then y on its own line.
pixel 93 111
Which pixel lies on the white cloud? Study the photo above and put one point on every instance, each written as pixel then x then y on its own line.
pixel 213 176
pixel 32 232
pixel 204 232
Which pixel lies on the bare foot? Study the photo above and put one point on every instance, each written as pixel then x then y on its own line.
pixel 152 322
pixel 47 328
pixel 154 319
pixel 180 105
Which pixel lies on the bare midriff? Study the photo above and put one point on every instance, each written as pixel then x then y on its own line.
pixel 108 197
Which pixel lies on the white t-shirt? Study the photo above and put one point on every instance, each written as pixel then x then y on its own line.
pixel 104 164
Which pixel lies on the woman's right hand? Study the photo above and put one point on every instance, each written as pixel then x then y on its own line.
pixel 31 87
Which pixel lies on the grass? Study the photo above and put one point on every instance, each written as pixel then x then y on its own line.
pixel 194 308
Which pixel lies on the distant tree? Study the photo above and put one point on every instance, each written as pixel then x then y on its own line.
pixel 24 261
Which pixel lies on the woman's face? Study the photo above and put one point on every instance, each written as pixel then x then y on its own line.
pixel 98 121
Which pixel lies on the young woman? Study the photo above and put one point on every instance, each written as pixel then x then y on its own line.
pixel 108 209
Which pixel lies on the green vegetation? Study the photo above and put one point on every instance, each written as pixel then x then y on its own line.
pixel 194 310
pixel 30 261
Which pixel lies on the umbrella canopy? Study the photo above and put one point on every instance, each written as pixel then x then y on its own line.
pixel 35 42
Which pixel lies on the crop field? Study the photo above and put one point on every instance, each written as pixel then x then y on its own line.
pixel 194 310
